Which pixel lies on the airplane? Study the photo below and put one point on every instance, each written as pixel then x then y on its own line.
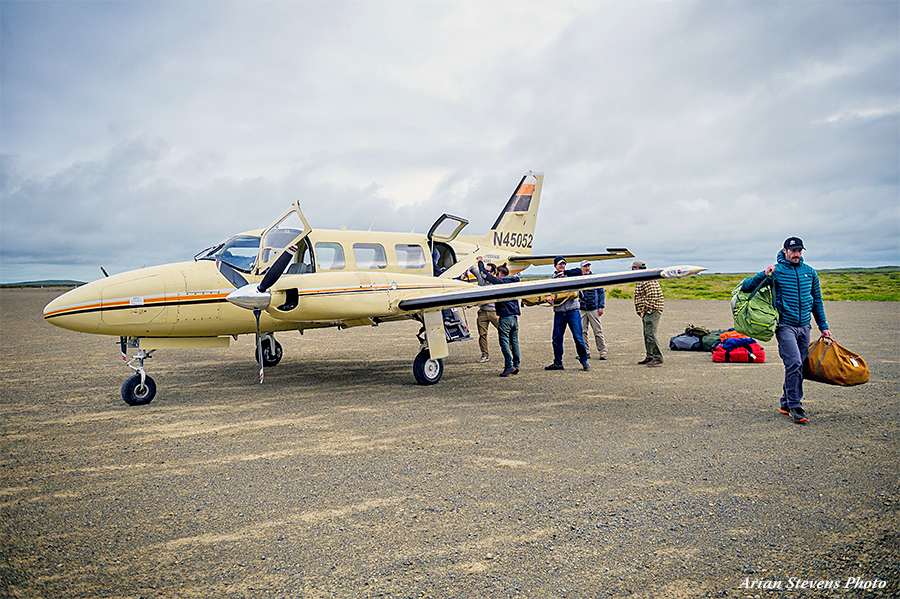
pixel 291 277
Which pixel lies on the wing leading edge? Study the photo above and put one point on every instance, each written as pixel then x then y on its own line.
pixel 492 293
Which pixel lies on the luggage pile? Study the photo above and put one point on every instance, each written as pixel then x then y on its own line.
pixel 726 345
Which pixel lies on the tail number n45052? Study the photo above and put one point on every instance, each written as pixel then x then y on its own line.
pixel 515 240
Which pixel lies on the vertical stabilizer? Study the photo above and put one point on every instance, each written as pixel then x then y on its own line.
pixel 514 228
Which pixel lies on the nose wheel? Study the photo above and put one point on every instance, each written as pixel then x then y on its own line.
pixel 138 390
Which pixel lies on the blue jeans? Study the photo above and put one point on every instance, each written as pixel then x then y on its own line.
pixel 508 330
pixel 793 347
pixel 561 320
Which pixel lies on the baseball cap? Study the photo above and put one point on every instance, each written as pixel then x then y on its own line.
pixel 585 263
pixel 793 243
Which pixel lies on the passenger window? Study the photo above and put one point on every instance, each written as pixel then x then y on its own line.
pixel 410 256
pixel 369 256
pixel 330 256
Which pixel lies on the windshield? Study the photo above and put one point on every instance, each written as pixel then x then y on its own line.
pixel 240 252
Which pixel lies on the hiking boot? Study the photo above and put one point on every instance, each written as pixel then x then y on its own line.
pixel 515 370
pixel 484 358
pixel 798 415
pixel 784 410
pixel 554 367
pixel 508 371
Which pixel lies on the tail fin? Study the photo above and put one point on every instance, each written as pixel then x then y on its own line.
pixel 514 227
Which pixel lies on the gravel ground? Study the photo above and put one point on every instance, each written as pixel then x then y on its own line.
pixel 340 477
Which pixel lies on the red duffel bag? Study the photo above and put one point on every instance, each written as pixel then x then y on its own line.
pixel 740 350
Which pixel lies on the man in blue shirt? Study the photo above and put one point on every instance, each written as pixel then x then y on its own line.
pixel 797 297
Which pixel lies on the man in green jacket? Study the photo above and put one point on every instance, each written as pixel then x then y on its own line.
pixel 797 296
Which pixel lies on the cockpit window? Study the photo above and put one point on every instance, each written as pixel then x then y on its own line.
pixel 239 251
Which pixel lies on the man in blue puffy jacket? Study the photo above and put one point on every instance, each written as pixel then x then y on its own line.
pixel 797 296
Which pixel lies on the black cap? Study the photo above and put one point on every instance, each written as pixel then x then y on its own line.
pixel 793 243
pixel 558 259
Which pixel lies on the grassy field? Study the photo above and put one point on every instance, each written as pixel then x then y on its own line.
pixel 873 284
pixel 864 284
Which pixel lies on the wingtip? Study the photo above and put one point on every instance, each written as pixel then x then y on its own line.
pixel 676 272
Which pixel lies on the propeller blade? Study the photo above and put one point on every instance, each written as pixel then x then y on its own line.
pixel 233 276
pixel 262 361
pixel 277 269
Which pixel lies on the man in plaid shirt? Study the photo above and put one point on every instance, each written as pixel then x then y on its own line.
pixel 648 303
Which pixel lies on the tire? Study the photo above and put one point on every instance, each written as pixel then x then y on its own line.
pixel 271 352
pixel 426 370
pixel 136 394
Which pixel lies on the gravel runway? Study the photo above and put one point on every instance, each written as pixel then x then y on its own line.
pixel 341 477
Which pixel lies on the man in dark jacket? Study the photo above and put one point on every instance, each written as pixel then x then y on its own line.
pixel 508 313
pixel 566 313
pixel 797 296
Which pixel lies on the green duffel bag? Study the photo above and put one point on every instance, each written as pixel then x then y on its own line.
pixel 754 312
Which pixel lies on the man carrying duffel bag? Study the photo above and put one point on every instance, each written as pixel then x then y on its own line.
pixel 798 297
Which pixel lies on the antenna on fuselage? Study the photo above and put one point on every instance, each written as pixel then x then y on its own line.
pixel 104 271
pixel 413 230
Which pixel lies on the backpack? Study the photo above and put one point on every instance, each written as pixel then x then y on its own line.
pixel 711 340
pixel 696 331
pixel 685 341
pixel 754 313
pixel 736 349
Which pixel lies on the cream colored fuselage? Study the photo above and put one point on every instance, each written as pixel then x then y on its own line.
pixel 187 299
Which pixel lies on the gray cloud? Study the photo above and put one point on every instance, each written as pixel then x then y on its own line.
pixel 137 133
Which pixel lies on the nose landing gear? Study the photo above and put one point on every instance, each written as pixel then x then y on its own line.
pixel 139 389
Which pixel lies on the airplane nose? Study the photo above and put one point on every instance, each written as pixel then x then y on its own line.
pixel 76 310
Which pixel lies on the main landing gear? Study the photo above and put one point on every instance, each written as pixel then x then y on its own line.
pixel 271 350
pixel 428 371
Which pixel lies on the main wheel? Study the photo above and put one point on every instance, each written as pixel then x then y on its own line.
pixel 271 352
pixel 426 370
pixel 136 393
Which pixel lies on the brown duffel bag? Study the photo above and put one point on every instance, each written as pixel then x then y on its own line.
pixel 830 363
pixel 558 298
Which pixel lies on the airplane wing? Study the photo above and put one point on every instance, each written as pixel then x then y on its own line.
pixel 492 293
pixel 547 260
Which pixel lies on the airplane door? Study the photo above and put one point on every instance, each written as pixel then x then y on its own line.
pixel 290 229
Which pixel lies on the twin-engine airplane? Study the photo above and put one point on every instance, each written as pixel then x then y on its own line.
pixel 293 277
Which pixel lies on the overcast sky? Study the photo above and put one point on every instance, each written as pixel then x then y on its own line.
pixel 138 133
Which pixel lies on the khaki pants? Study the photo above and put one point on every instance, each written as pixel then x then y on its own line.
pixel 651 323
pixel 593 317
pixel 484 320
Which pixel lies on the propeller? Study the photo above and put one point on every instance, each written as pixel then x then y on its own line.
pixel 256 297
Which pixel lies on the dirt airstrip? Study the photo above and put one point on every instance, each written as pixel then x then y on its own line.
pixel 340 477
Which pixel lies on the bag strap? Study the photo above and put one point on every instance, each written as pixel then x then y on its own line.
pixel 765 281
pixel 826 341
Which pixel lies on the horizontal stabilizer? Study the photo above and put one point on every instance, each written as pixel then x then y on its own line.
pixel 547 259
